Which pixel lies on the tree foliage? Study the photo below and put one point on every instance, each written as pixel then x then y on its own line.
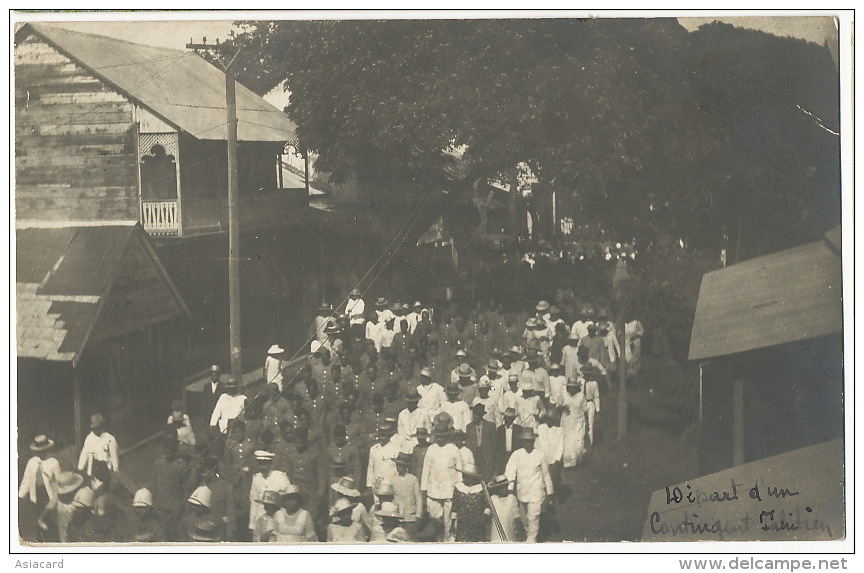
pixel 651 129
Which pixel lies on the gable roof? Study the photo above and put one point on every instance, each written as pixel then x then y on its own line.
pixel 63 278
pixel 776 299
pixel 177 85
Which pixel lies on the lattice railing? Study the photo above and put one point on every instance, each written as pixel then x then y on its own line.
pixel 159 217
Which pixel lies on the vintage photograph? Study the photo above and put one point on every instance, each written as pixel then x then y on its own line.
pixel 429 279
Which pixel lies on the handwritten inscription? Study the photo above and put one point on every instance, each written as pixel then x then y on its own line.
pixel 698 496
pixel 769 519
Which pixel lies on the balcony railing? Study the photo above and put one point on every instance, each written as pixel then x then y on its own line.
pixel 160 217
pixel 207 215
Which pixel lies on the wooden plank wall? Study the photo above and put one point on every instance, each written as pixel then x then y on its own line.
pixel 75 156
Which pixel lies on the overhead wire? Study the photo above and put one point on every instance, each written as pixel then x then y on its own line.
pixel 398 239
pixel 102 104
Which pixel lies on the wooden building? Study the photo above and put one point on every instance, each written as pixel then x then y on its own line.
pixel 121 147
pixel 108 130
pixel 768 335
pixel 100 327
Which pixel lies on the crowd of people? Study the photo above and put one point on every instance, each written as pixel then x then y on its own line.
pixel 400 426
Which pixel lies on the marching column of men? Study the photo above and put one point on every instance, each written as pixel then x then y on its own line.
pixel 386 434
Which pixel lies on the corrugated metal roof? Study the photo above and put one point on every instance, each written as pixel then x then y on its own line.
pixel 177 85
pixel 776 299
pixel 64 274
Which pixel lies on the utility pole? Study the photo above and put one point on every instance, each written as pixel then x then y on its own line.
pixel 233 214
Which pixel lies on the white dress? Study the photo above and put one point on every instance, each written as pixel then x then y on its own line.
pixel 573 427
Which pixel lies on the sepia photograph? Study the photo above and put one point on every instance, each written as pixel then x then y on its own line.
pixel 431 278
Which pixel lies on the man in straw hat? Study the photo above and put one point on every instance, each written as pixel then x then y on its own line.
pixel 407 495
pixel 99 447
pixel 273 366
pixel 342 527
pixel 441 470
pixel 67 485
pixel 458 410
pixel 390 517
pixel 37 493
pixel 419 452
pixel 527 469
pixel 298 526
pixel 355 308
pixel 346 487
pixel 228 407
pixel 268 524
pixel 412 417
pixel 505 506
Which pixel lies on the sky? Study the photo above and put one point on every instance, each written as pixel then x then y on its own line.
pixel 175 33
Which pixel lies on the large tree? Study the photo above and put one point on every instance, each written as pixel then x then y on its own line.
pixel 653 130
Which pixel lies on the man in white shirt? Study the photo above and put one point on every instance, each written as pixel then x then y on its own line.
pixel 493 379
pixel 432 394
pixel 382 457
pixel 411 418
pixel 381 308
pixel 441 471
pixel 413 317
pixel 458 409
pixel 557 383
pixel 490 403
pixel 511 396
pixel 99 446
pixel 569 356
pixel 355 307
pixel 529 476
pixel 580 327
pixel 267 479
pixel 228 407
pixel 373 332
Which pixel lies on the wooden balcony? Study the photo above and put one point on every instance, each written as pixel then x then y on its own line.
pixel 209 215
pixel 160 217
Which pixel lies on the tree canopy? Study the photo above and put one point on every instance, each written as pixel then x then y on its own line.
pixel 649 128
